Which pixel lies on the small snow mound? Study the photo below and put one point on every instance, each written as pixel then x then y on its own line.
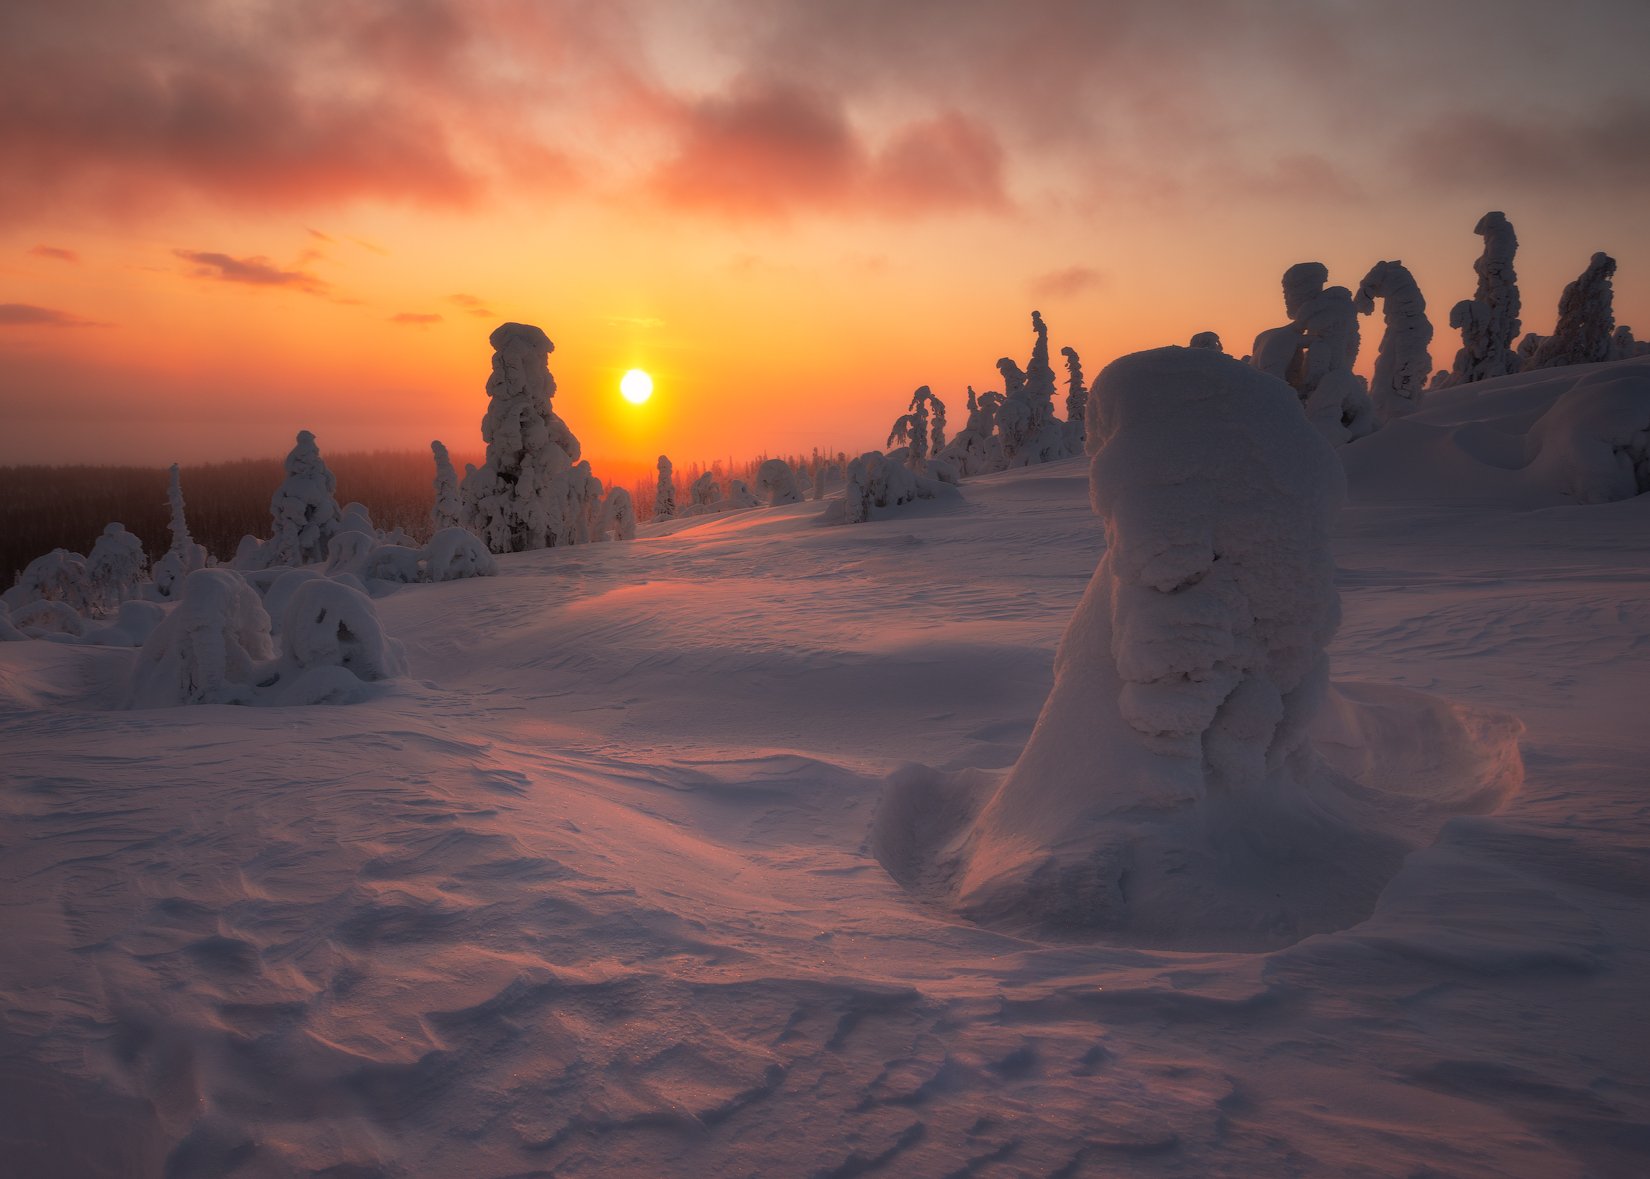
pixel 456 553
pixel 1594 443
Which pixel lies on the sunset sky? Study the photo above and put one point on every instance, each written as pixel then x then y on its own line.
pixel 221 222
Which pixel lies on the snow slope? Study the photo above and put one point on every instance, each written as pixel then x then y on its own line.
pixel 592 892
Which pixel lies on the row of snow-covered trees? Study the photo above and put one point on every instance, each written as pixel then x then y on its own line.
pixel 1316 350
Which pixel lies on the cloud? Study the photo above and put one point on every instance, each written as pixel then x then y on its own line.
pixel 57 252
pixel 255 271
pixel 415 318
pixel 28 315
pixel 472 305
pixel 1607 146
pixel 1067 283
pixel 768 148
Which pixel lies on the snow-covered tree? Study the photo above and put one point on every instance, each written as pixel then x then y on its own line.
pixel 529 494
pixel 664 499
pixel 455 553
pixel 330 625
pixel 1077 400
pixel 208 649
pixel 921 430
pixel 114 569
pixel 978 448
pixel 1314 353
pixel 304 514
pixel 740 495
pixel 776 482
pixel 1404 363
pixel 1488 322
pixel 184 556
pixel 1171 752
pixel 705 490
pixel 57 576
pixel 1207 340
pixel 619 515
pixel 1030 432
pixel 448 511
pixel 1586 319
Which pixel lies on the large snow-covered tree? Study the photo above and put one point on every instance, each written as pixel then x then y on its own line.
pixel 1488 322
pixel 1404 364
pixel 532 492
pixel 1174 737
pixel 1586 319
pixel 1031 434
pixel 1314 353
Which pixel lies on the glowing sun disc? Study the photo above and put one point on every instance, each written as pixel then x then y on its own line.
pixel 635 386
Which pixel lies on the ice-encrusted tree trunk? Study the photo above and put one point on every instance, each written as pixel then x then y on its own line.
pixel 1404 364
pixel 114 568
pixel 448 510
pixel 305 516
pixel 1174 736
pixel 664 496
pixel 530 493
pixel 1488 322
pixel 1586 319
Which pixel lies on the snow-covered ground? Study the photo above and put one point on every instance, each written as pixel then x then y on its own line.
pixel 593 891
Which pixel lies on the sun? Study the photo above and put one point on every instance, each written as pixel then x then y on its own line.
pixel 636 386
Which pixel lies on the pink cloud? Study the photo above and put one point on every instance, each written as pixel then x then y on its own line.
pixel 255 271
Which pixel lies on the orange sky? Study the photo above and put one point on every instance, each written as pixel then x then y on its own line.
pixel 224 222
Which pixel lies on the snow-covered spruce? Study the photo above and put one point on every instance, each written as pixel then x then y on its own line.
pixel 876 481
pixel 1586 319
pixel 1077 399
pixel 115 568
pixel 664 498
pixel 1168 766
pixel 454 554
pixel 1208 340
pixel 331 643
pixel 776 483
pixel 209 650
pixel 921 429
pixel 44 618
pixel 184 556
pixel 304 514
pixel 448 509
pixel 1031 434
pixel 529 494
pixel 1488 322
pixel 57 576
pixel 977 448
pixel 1404 364
pixel 1315 353
pixel 618 516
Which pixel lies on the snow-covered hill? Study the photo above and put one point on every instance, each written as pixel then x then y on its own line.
pixel 594 891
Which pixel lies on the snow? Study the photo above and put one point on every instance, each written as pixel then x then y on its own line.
pixel 1586 320
pixel 448 509
pixel 592 889
pixel 305 514
pixel 1403 365
pixel 1489 321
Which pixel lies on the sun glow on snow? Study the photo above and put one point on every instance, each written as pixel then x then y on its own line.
pixel 636 386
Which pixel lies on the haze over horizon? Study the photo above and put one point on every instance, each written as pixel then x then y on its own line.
pixel 229 221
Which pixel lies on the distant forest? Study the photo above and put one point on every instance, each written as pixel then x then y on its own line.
pixel 46 508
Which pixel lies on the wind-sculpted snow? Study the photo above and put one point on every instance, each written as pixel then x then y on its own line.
pixel 597 889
